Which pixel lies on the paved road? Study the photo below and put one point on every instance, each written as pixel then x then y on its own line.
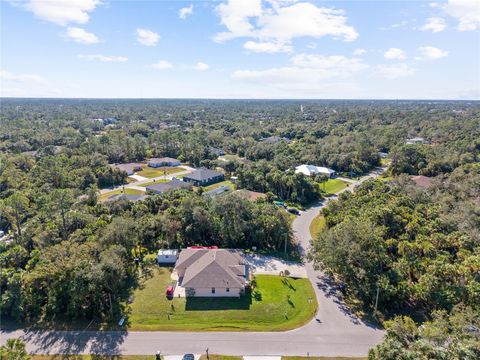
pixel 333 332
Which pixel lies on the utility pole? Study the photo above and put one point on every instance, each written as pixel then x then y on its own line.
pixel 376 299
pixel 286 237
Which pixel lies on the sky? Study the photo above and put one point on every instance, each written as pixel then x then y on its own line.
pixel 264 49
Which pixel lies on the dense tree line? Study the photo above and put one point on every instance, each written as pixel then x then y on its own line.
pixel 445 337
pixel 346 136
pixel 419 247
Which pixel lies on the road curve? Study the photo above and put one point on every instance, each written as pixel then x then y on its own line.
pixel 333 332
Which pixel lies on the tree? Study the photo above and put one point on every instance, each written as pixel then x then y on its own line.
pixel 16 208
pixel 455 336
pixel 14 349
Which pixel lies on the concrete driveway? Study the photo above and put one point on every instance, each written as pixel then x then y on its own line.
pixel 268 265
pixel 334 331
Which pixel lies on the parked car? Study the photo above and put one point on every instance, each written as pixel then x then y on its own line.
pixel 293 211
pixel 188 357
pixel 169 291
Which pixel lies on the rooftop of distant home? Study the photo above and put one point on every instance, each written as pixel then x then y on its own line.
pixel 162 187
pixel 202 174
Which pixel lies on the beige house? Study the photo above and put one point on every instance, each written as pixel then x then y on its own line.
pixel 204 272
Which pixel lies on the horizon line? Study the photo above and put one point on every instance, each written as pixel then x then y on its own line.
pixel 226 99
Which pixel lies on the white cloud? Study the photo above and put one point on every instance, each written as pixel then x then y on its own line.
pixel 22 78
pixel 81 35
pixel 162 65
pixel 185 11
pixel 267 47
pixel 147 37
pixel 200 66
pixel 401 24
pixel 434 24
pixel 103 58
pixel 280 22
pixel 395 71
pixel 359 52
pixel 467 12
pixel 61 12
pixel 25 85
pixel 394 54
pixel 306 72
pixel 431 52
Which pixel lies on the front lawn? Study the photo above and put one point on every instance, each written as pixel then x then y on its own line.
pixel 332 186
pixel 321 358
pixel 128 191
pixel 317 225
pixel 150 173
pixel 275 304
pixel 153 182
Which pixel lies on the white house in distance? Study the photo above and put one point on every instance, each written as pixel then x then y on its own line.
pixel 211 272
pixel 167 256
pixel 415 141
pixel 165 161
pixel 309 170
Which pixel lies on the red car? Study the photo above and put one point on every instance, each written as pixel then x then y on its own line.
pixel 169 291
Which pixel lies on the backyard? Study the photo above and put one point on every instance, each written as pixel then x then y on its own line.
pixel 217 185
pixel 275 304
pixel 128 191
pixel 150 173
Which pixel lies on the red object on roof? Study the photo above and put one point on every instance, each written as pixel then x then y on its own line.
pixel 202 247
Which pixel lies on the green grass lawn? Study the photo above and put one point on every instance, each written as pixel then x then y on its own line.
pixel 332 186
pixel 153 182
pixel 385 162
pixel 92 357
pixel 105 196
pixel 317 225
pixel 275 304
pixel 220 357
pixel 149 172
pixel 321 358
pixel 217 185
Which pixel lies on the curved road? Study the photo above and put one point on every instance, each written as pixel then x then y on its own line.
pixel 333 332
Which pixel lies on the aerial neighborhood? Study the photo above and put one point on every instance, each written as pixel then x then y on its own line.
pixel 239 180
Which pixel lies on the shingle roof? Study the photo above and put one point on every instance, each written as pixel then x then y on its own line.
pixel 207 268
pixel 422 181
pixel 163 160
pixel 202 174
pixel 131 197
pixel 162 187
pixel 129 166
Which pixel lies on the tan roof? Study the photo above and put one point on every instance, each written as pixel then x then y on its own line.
pixel 251 195
pixel 129 166
pixel 422 181
pixel 205 268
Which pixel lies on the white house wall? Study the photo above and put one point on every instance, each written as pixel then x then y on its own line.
pixel 219 292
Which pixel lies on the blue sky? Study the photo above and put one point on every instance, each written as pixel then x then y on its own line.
pixel 240 49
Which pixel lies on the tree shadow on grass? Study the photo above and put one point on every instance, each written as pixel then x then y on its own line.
pixel 287 283
pixel 212 304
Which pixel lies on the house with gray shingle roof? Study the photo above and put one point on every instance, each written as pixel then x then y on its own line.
pixel 208 272
pixel 163 187
pixel 203 177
